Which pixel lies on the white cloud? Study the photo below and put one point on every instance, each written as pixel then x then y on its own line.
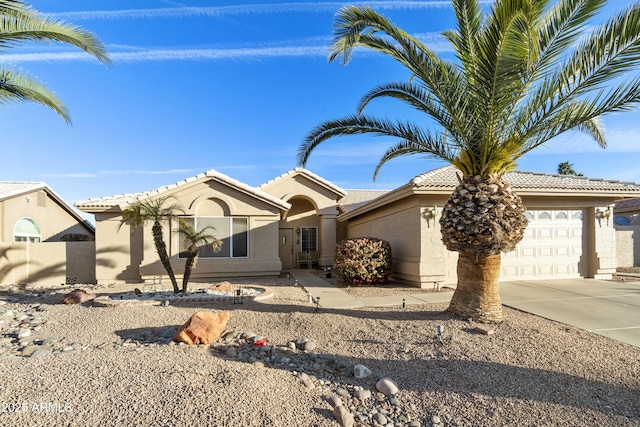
pixel 131 54
pixel 246 9
pixel 620 140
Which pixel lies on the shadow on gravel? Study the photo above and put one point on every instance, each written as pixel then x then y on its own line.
pixel 154 335
pixel 442 376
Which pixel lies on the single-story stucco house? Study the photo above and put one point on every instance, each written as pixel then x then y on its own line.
pixel 31 212
pixel 295 220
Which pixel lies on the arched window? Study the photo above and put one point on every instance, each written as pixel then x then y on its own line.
pixel 27 230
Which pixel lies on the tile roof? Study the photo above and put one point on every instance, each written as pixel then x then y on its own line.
pixel 9 189
pixel 628 204
pixel 301 171
pixel 356 198
pixel 123 200
pixel 446 177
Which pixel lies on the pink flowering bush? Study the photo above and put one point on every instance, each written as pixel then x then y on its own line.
pixel 363 261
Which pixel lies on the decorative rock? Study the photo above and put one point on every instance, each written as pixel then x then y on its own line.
pixel 78 297
pixel 362 394
pixel 387 387
pixel 342 392
pixel 361 371
pixel 343 416
pixel 42 351
pixel 50 341
pixel 223 287
pixel 23 333
pixel 309 345
pixel 380 419
pixel 202 328
pixel 334 401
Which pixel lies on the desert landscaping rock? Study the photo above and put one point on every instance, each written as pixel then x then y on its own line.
pixel 122 367
pixel 78 296
pixel 203 327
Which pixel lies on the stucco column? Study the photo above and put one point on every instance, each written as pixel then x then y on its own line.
pixel 328 233
pixel 604 244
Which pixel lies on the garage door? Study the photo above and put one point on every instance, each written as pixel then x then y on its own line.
pixel 551 248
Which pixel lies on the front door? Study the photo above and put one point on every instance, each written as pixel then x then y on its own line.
pixel 286 247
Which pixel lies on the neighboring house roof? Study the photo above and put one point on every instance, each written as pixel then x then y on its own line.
pixel 628 205
pixel 11 189
pixel 122 201
pixel 309 175
pixel 445 179
pixel 356 198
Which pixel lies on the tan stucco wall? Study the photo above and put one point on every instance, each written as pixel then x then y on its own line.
pixel 417 249
pixel 48 263
pixel 53 220
pixel 122 256
pixel 628 245
pixel 313 205
pixel 421 259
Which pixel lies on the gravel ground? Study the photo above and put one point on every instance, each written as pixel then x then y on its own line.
pixel 530 372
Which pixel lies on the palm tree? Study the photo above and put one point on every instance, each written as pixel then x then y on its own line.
pixel 566 168
pixel 154 210
pixel 524 73
pixel 20 23
pixel 195 239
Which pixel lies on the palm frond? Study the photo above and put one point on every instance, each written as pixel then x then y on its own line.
pixel 27 25
pixel 19 86
pixel 360 124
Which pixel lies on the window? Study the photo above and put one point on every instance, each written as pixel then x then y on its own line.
pixel 233 232
pixel 309 239
pixel 27 230
pixel 544 215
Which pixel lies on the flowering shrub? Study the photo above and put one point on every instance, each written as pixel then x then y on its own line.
pixel 363 261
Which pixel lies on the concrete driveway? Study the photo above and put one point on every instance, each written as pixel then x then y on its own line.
pixel 606 308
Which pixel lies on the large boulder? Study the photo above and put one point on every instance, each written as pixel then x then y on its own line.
pixel 78 297
pixel 203 327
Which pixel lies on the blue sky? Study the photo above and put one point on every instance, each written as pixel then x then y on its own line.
pixel 233 87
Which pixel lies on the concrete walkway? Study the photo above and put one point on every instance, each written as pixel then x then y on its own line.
pixel 611 309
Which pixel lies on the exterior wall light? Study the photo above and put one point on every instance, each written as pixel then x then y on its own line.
pixel 603 214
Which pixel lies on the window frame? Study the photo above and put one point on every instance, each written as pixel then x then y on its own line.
pixel 303 235
pixel 28 238
pixel 230 237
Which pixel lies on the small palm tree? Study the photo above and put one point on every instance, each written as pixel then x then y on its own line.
pixel 20 23
pixel 157 212
pixel 524 73
pixel 195 240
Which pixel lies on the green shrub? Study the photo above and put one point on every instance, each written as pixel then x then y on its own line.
pixel 363 261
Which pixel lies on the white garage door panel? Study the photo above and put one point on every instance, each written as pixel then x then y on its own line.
pixel 551 247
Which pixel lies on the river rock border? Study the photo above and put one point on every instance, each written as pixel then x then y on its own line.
pixel 109 301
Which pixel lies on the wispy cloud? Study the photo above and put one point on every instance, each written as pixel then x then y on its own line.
pixel 245 9
pixel 311 47
pixel 620 140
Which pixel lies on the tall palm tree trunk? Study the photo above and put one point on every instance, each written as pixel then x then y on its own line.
pixel 483 217
pixel 161 248
pixel 476 295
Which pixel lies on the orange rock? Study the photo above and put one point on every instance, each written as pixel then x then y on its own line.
pixel 78 297
pixel 203 327
pixel 225 287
